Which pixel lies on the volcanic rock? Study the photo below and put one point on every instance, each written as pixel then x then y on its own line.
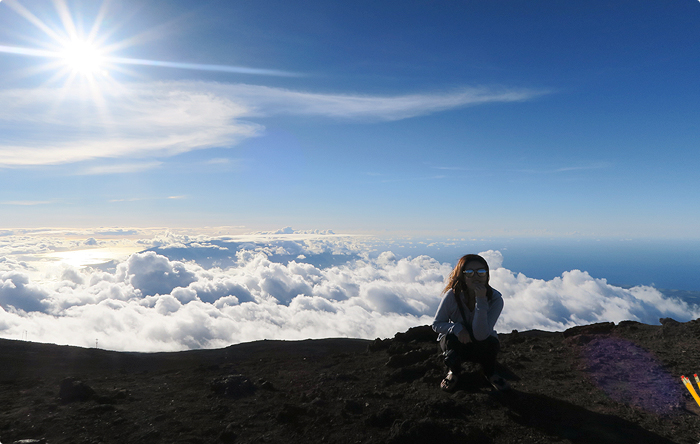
pixel 233 386
pixel 72 390
pixel 592 329
pixel 595 384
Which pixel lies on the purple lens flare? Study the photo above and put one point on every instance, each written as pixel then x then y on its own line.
pixel 631 375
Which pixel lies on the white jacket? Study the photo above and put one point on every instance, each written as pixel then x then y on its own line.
pixel 448 319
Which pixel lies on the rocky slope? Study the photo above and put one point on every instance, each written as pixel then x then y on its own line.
pixel 600 383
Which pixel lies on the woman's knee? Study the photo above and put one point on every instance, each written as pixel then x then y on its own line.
pixel 449 342
pixel 490 343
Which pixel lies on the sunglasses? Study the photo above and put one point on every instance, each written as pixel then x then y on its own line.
pixel 481 272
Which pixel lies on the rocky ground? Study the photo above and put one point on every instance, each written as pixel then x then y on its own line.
pixel 601 383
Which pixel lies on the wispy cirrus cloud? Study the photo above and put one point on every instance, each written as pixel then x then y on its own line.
pixel 134 121
pixel 596 166
pixel 593 166
pixel 26 203
pixel 267 101
pixel 162 119
pixel 131 199
pixel 122 168
pixel 136 199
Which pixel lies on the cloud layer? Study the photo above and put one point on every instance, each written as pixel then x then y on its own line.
pixel 282 289
pixel 160 119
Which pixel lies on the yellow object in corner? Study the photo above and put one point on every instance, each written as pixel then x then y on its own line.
pixel 690 388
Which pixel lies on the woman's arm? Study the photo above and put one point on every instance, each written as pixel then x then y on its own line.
pixel 485 317
pixel 444 320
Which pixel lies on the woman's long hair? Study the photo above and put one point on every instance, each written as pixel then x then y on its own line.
pixel 456 281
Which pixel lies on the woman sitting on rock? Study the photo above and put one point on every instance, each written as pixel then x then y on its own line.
pixel 465 320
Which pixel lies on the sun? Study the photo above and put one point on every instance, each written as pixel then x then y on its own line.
pixel 82 57
pixel 75 49
pixel 80 51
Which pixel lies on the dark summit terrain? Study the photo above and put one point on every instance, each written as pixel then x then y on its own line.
pixel 597 384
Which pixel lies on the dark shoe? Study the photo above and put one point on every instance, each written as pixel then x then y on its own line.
pixel 498 382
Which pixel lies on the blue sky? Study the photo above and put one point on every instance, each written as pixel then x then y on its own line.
pixel 484 118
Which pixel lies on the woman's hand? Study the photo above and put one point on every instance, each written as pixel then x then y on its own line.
pixel 479 289
pixel 463 336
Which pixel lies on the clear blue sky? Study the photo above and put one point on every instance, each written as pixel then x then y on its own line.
pixel 475 118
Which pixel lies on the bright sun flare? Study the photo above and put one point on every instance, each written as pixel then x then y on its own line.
pixel 83 58
pixel 78 56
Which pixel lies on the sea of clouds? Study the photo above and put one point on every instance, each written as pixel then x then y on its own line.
pixel 186 292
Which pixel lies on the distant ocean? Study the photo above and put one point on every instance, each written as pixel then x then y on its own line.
pixel 670 266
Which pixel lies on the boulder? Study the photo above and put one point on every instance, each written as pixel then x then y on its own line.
pixel 73 390
pixel 232 386
pixel 592 329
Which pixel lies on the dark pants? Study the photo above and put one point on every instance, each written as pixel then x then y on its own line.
pixel 483 352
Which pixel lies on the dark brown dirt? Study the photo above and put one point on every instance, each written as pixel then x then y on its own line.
pixel 595 384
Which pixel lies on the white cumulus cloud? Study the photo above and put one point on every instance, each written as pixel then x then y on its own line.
pixel 157 300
